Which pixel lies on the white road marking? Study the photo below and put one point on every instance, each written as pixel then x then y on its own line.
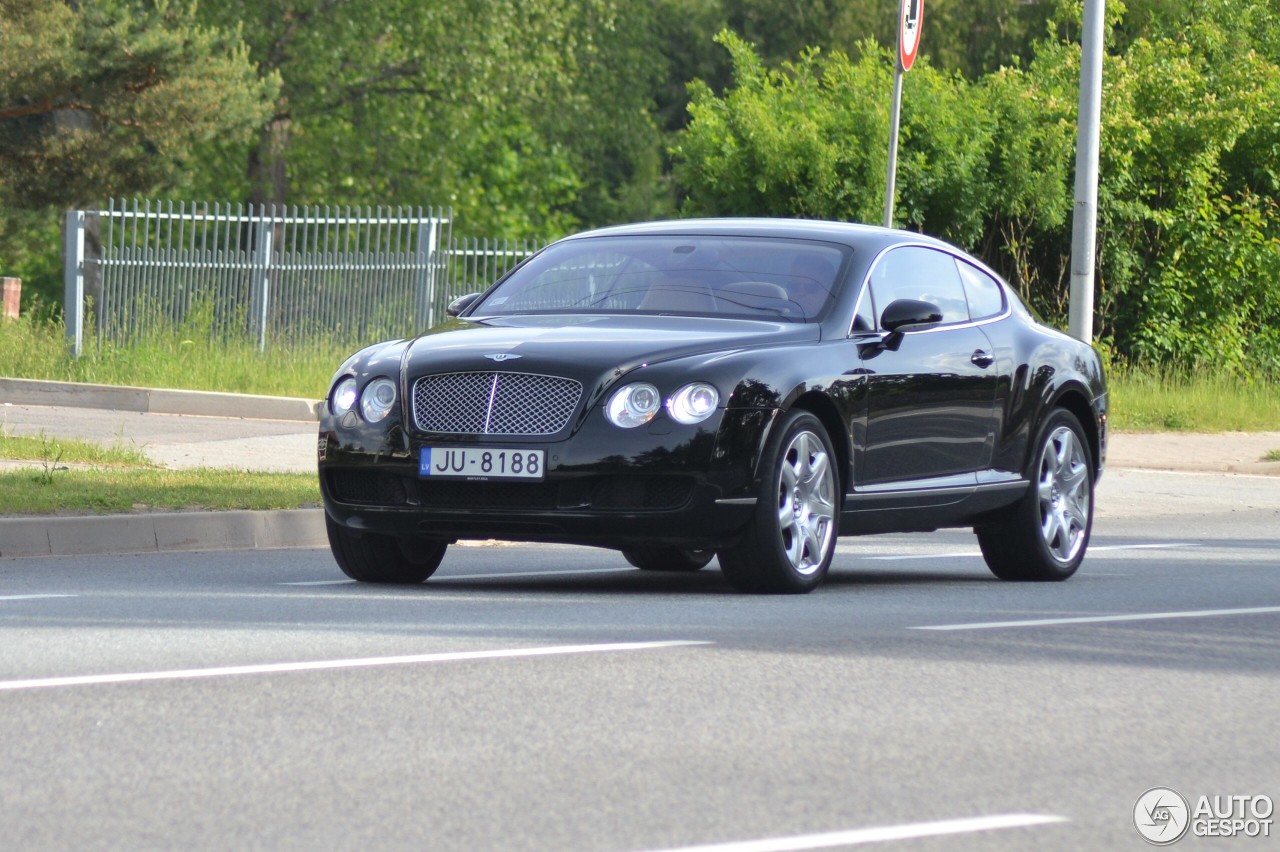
pixel 33 597
pixel 1097 619
pixel 318 583
pixel 860 836
pixel 322 665
pixel 1170 545
pixel 978 553
pixel 957 555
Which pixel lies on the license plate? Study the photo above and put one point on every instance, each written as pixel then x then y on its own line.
pixel 481 463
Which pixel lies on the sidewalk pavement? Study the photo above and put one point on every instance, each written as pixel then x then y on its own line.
pixel 185 429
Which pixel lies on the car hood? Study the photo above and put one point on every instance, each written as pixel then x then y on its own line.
pixel 595 350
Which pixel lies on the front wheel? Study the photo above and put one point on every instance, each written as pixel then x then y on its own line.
pixel 375 558
pixel 1045 534
pixel 789 545
pixel 668 558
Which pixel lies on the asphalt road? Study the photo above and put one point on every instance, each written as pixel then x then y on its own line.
pixel 254 700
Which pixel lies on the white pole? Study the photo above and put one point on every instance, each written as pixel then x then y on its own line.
pixel 432 241
pixel 73 280
pixel 1084 225
pixel 265 234
pixel 891 174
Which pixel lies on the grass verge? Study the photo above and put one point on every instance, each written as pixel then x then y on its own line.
pixel 55 451
pixel 121 479
pixel 1158 401
pixel 58 490
pixel 189 356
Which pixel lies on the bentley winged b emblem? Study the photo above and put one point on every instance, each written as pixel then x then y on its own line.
pixel 501 356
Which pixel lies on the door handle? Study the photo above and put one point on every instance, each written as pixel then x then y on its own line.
pixel 982 359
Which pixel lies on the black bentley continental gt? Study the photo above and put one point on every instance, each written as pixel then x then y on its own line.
pixel 746 389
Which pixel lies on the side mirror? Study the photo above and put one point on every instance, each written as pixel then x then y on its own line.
pixel 898 318
pixel 910 315
pixel 461 303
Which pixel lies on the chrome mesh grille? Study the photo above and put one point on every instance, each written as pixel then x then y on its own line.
pixel 489 403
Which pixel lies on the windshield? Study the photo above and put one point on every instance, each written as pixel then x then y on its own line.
pixel 757 277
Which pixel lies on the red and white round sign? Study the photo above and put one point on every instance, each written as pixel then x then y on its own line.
pixel 911 15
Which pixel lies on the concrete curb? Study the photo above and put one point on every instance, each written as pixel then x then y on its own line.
pixel 1237 469
pixel 160 532
pixel 158 401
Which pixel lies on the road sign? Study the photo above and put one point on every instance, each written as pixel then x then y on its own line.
pixel 910 16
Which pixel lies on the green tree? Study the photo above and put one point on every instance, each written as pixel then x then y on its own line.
pixel 811 139
pixel 526 118
pixel 1191 150
pixel 786 142
pixel 111 98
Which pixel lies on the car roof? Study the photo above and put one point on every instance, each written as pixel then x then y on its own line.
pixel 856 236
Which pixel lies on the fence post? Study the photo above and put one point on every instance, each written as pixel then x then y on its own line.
pixel 428 236
pixel 73 280
pixel 262 248
pixel 12 296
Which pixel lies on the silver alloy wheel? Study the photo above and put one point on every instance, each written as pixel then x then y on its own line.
pixel 806 502
pixel 1064 494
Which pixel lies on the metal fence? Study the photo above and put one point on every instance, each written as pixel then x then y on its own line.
pixel 279 276
pixel 471 265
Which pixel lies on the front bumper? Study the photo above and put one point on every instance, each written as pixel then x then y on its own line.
pixel 664 484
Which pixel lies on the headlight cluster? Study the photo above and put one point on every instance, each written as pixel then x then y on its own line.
pixel 636 404
pixel 376 400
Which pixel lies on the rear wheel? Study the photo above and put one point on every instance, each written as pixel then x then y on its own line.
pixel 1045 534
pixel 376 558
pixel 789 546
pixel 668 558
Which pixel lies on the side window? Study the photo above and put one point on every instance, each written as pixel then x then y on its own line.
pixel 986 296
pixel 865 317
pixel 914 272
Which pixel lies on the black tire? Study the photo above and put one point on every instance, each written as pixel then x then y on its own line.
pixel 668 559
pixel 789 545
pixel 375 558
pixel 1044 536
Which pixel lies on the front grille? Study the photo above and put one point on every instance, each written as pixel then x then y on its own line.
pixel 490 403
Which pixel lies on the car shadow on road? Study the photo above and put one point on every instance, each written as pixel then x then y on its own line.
pixel 709 581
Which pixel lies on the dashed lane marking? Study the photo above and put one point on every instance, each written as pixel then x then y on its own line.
pixel 1104 548
pixel 327 665
pixel 1099 619
pixel 33 597
pixel 860 836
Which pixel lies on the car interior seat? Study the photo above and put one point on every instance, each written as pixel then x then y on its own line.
pixel 678 297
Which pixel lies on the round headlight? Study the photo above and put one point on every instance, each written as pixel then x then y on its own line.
pixel 343 396
pixel 693 403
pixel 378 397
pixel 633 405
